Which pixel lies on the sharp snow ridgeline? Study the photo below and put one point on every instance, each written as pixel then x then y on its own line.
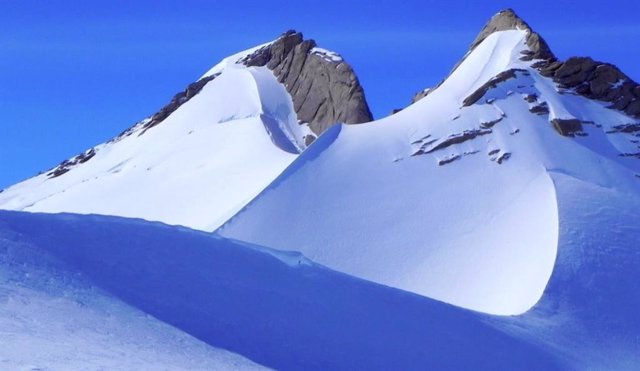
pixel 508 193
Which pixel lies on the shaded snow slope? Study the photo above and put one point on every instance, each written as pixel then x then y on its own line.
pixel 285 312
pixel 197 168
pixel 589 309
pixel 53 318
pixel 450 198
pixel 275 308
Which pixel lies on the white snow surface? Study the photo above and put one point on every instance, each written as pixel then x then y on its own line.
pixel 197 167
pixel 278 310
pixel 327 55
pixel 53 318
pixel 481 231
pixel 285 312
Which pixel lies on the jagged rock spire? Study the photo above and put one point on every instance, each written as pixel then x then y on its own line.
pixel 324 88
pixel 508 20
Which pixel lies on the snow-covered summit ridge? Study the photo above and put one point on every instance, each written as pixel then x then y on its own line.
pixel 214 146
pixel 582 75
pixel 194 163
pixel 323 88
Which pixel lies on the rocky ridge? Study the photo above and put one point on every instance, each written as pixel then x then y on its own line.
pixel 324 88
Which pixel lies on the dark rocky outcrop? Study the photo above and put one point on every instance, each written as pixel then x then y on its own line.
pixel 509 20
pixel 540 109
pixel 491 84
pixel 567 127
pixel 591 79
pixel 595 80
pixel 178 100
pixel 325 90
pixel 451 140
pixel 66 165
pixel 449 160
pixel 503 157
pixel 490 124
pixel 627 128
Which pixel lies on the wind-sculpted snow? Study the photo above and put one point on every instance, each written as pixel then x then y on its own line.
pixel 589 309
pixel 282 312
pixel 470 231
pixel 285 312
pixel 451 198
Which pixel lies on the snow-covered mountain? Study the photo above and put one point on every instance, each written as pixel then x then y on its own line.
pixel 459 196
pixel 491 224
pixel 214 146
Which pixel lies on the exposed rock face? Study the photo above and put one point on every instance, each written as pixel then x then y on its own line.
pixel 504 157
pixel 595 80
pixel 435 145
pixel 509 20
pixel 591 79
pixel 503 21
pixel 66 165
pixel 567 127
pixel 324 88
pixel 540 109
pixel 628 128
pixel 491 84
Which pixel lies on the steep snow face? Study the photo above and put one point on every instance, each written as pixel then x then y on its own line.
pixel 198 167
pixel 450 198
pixel 587 310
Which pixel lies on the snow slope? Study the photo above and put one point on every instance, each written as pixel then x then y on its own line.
pixel 276 308
pixel 588 311
pixel 285 312
pixel 198 167
pixel 450 198
pixel 53 318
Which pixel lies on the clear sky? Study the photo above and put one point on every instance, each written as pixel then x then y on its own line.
pixel 75 73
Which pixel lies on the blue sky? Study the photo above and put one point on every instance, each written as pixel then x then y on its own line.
pixel 76 73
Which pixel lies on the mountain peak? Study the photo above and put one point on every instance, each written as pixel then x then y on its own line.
pixel 508 20
pixel 324 88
